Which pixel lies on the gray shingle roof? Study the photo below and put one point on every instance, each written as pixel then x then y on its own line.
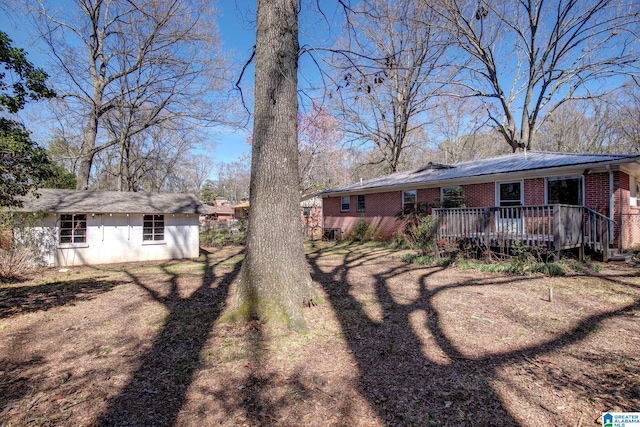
pixel 510 163
pixel 73 201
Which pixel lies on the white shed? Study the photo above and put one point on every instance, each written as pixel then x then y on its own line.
pixel 100 227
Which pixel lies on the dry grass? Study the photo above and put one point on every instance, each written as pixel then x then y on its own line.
pixel 392 344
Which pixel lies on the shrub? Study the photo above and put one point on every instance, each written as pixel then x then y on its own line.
pixel 364 231
pixel 223 234
pixel 23 245
pixel 419 229
pixel 549 268
pixel 426 260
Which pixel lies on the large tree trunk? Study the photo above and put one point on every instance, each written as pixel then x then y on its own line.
pixel 274 281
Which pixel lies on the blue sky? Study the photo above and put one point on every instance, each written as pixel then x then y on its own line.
pixel 237 32
pixel 236 29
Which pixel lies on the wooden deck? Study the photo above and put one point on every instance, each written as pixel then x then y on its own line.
pixel 556 227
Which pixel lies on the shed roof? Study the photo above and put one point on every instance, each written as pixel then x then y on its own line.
pixel 510 163
pixel 76 201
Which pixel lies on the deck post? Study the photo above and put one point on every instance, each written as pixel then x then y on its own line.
pixel 556 230
pixel 581 247
pixel 486 228
pixel 436 224
pixel 605 243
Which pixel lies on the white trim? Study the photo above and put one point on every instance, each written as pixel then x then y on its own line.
pixel 72 245
pixel 154 242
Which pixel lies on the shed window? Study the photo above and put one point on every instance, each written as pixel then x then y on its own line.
pixel 345 204
pixel 360 205
pixel 73 228
pixel 153 228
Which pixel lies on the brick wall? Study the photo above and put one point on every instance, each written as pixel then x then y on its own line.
pixel 380 211
pixel 534 192
pixel 596 192
pixel 428 195
pixel 479 195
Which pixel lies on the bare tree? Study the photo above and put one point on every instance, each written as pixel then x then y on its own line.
pixel 460 133
pixel 233 179
pixel 526 58
pixel 198 168
pixel 580 126
pixel 322 159
pixel 159 160
pixel 274 280
pixel 388 75
pixel 627 111
pixel 149 63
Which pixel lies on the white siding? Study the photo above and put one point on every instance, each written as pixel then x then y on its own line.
pixel 118 238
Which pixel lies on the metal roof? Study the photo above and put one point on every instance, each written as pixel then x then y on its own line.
pixel 507 164
pixel 77 201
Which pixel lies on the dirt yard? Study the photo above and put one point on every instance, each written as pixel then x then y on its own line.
pixel 390 345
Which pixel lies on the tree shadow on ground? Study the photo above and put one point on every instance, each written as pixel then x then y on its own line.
pixel 263 396
pixel 410 380
pixel 156 392
pixel 14 386
pixel 27 299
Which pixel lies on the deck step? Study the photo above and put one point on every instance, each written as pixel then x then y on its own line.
pixel 627 257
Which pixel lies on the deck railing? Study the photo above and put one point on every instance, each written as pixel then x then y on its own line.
pixel 597 232
pixel 556 227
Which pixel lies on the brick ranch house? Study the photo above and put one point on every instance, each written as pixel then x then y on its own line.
pixel 101 227
pixel 605 183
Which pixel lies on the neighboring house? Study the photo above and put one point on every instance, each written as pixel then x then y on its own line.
pixel 99 227
pixel 217 213
pixel 241 210
pixel 605 183
pixel 311 213
pixel 220 201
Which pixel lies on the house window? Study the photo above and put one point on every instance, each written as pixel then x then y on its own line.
pixel 73 228
pixel 360 204
pixel 345 204
pixel 566 191
pixel 409 200
pixel 451 197
pixel 510 194
pixel 153 228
